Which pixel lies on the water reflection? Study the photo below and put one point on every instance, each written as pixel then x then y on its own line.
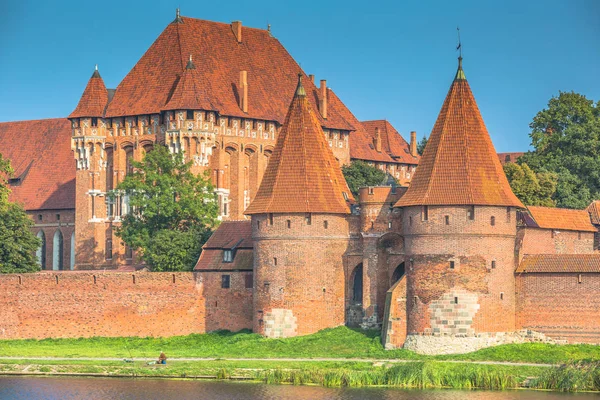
pixel 28 388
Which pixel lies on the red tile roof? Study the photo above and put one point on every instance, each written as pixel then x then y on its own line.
pixel 548 263
pixel 190 92
pixel 231 234
pixel 594 210
pixel 509 157
pixel 302 174
pixel 93 100
pixel 212 259
pixel 40 153
pixel 561 218
pixel 218 58
pixel 392 142
pixel 460 165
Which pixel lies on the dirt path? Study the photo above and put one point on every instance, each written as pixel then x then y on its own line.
pixel 319 359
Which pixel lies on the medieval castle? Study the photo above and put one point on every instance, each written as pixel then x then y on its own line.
pixel 449 261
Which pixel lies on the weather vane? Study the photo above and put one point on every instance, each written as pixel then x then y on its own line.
pixel 459 47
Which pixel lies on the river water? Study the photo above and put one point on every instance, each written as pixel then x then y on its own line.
pixel 67 388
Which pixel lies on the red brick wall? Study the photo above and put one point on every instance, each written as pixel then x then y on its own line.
pixel 394 324
pixel 155 304
pixel 541 241
pixel 308 280
pixel 557 305
pixel 472 245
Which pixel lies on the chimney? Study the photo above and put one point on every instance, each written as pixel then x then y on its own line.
pixel 323 101
pixel 413 144
pixel 312 78
pixel 377 140
pixel 244 91
pixel 236 27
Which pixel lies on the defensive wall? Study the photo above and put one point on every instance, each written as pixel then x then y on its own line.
pixel 86 304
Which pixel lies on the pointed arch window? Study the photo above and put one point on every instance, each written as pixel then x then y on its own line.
pixel 40 253
pixel 57 251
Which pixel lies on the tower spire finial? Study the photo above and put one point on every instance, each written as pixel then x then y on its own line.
pixel 178 19
pixel 300 88
pixel 96 67
pixel 460 74
pixel 190 64
pixel 96 74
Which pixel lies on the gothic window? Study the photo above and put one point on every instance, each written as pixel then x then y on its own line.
pixel 57 251
pixel 109 168
pixel 357 284
pixel 72 255
pixel 41 251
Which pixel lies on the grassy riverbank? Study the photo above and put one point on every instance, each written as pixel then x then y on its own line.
pixel 429 374
pixel 331 343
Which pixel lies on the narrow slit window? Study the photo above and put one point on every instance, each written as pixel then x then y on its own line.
pixel 579 279
pixel 471 213
pixel 456 300
pixel 425 212
pixel 271 219
pixel 501 295
pixel 493 264
pixel 275 261
pixel 325 224
pixel 225 281
pixel 288 223
pixel 507 214
pixel 451 264
pixel 447 219
pixel 308 219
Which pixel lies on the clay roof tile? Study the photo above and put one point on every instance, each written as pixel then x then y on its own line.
pixel 460 165
pixel 303 174
pixel 561 218
pixel 93 100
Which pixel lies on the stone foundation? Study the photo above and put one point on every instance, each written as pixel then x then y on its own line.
pixel 456 344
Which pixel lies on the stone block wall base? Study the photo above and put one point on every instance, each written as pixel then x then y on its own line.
pixel 447 344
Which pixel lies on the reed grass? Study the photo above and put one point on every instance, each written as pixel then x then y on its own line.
pixel 417 375
pixel 570 377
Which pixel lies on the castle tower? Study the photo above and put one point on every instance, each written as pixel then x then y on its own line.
pixel 301 230
pixel 88 145
pixel 459 223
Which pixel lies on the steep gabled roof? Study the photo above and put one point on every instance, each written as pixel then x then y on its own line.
pixel 460 165
pixel 190 92
pixel 219 59
pixel 302 174
pixel 392 142
pixel 44 168
pixel 557 263
pixel 560 218
pixel 93 100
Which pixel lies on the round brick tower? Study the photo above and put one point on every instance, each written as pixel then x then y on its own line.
pixel 301 230
pixel 459 223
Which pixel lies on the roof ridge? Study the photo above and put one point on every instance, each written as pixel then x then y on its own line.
pixel 465 136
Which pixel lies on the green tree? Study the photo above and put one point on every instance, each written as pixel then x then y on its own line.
pixel 566 139
pixel 17 242
pixel 172 211
pixel 531 188
pixel 421 145
pixel 360 174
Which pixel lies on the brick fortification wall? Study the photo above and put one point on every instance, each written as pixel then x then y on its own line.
pixel 560 305
pixel 86 304
pixel 299 273
pixel 544 241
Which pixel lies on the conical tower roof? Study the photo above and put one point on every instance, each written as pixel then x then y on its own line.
pixel 94 98
pixel 190 93
pixel 302 176
pixel 459 165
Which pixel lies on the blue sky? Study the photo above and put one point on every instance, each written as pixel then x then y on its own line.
pixel 392 60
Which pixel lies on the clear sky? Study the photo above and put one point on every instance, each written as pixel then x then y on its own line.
pixel 386 60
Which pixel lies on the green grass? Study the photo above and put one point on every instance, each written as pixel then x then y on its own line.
pixel 339 342
pixel 570 377
pixel 430 374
